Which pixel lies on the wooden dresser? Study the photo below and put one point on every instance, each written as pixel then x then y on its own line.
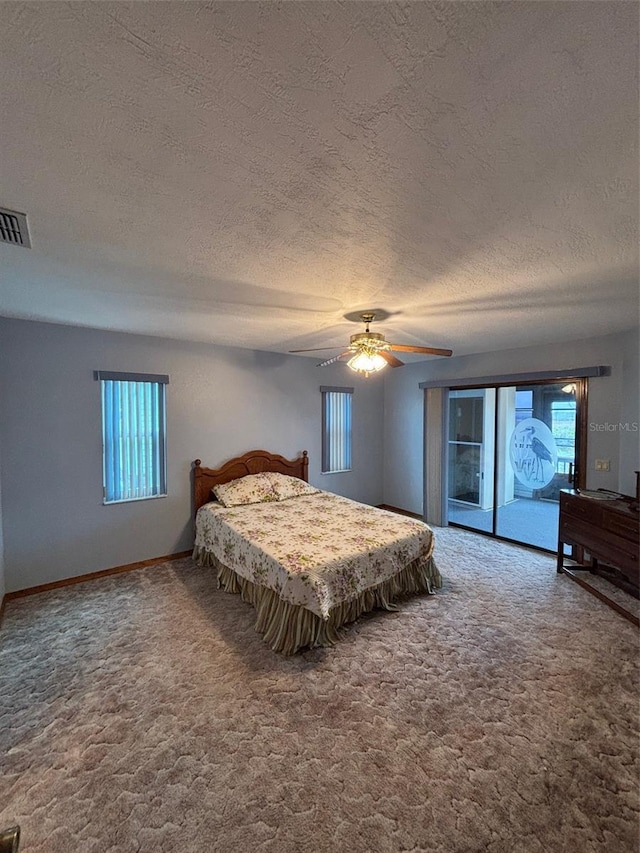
pixel 608 529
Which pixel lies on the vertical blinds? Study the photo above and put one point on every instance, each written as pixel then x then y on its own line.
pixel 336 444
pixel 133 421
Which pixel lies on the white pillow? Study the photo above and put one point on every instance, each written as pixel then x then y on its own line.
pixel 252 489
pixel 285 486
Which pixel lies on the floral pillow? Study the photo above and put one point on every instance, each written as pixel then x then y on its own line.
pixel 290 487
pixel 252 489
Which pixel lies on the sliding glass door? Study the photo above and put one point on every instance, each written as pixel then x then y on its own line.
pixel 537 428
pixel 510 451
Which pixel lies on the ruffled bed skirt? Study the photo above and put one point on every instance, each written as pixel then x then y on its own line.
pixel 287 628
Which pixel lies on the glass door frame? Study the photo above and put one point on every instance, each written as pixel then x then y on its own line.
pixel 575 481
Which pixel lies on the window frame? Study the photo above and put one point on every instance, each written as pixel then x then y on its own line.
pixel 327 433
pixel 159 435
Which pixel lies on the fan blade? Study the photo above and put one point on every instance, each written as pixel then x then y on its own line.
pixel 335 358
pixel 318 349
pixel 391 360
pixel 429 350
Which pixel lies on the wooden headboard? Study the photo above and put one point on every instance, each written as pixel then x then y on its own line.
pixel 253 462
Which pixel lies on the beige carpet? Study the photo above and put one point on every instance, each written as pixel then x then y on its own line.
pixel 143 713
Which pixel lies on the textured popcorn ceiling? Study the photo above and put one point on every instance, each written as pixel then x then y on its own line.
pixel 248 173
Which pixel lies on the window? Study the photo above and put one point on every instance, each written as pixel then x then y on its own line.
pixel 336 429
pixel 524 404
pixel 563 428
pixel 133 436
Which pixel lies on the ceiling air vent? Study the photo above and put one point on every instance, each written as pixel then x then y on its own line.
pixel 13 228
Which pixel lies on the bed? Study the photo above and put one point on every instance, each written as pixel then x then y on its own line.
pixel 308 561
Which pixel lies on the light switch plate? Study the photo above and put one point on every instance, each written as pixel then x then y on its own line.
pixel 602 465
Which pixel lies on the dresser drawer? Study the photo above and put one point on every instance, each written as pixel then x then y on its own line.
pixel 607 530
pixel 579 532
pixel 584 509
pixel 622 526
pixel 604 545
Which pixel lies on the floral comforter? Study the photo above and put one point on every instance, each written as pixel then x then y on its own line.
pixel 315 551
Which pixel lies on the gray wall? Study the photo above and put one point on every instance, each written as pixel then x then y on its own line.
pixel 2 581
pixel 630 414
pixel 221 402
pixel 612 400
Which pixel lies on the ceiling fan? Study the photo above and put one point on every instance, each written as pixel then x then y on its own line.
pixel 370 351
